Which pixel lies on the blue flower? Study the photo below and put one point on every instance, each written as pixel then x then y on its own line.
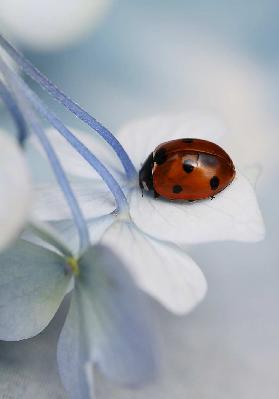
pixel 107 325
pixel 110 228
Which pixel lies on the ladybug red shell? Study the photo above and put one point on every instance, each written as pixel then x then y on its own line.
pixel 187 169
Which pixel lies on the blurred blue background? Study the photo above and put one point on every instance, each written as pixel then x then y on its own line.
pixel 148 57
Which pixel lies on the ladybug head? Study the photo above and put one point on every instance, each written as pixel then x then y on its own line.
pixel 145 174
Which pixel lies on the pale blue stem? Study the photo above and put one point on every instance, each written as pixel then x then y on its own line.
pixel 17 117
pixel 53 90
pixel 110 181
pixel 62 180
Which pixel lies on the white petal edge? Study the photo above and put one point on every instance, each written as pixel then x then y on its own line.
pixel 162 270
pixel 67 231
pixel 15 190
pixel 44 235
pixel 233 214
pixel 142 136
pixel 92 195
pixel 72 161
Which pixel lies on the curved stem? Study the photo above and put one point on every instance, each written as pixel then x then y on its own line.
pixel 62 180
pixel 73 107
pixel 15 113
pixel 110 181
pixel 64 184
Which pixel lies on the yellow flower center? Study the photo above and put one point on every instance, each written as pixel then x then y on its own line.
pixel 73 265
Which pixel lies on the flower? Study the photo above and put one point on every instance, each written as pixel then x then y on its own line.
pixel 15 190
pixel 106 325
pixel 151 236
pixel 51 25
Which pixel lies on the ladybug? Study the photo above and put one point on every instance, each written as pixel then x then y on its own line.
pixel 187 169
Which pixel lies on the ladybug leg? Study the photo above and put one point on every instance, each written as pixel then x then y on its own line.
pixel 156 195
pixel 212 197
pixel 141 187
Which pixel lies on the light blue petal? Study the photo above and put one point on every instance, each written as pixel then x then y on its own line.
pixel 106 326
pixel 32 286
pixel 76 370
pixel 115 317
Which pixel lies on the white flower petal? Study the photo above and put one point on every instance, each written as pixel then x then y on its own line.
pixel 162 270
pixel 106 326
pixel 73 162
pixel 67 231
pixel 32 286
pixel 142 136
pixel 232 215
pixel 44 235
pixel 253 172
pixel 15 190
pixel 93 197
pixel 96 226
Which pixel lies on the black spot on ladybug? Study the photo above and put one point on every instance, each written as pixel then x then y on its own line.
pixel 187 141
pixel 214 182
pixel 160 156
pixel 177 189
pixel 187 166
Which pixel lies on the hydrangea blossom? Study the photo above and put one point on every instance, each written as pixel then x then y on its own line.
pixel 152 235
pixel 106 326
pixel 106 322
